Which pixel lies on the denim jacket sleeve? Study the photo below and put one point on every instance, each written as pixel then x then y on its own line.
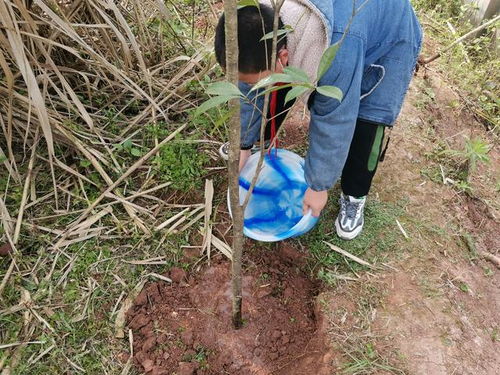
pixel 332 122
pixel 250 116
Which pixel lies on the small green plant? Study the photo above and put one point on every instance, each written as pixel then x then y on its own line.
pixel 464 287
pixel 475 151
pixel 129 148
pixel 495 337
pixel 180 163
pixel 488 272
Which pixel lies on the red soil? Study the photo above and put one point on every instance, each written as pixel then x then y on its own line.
pixel 185 328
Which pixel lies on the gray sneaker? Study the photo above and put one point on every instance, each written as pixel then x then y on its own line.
pixel 350 221
pixel 224 149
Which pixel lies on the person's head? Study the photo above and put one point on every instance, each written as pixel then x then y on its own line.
pixel 255 55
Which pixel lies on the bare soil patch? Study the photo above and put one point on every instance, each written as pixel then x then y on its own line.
pixel 444 324
pixel 185 328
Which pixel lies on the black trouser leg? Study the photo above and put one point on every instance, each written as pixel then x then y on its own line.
pixel 363 158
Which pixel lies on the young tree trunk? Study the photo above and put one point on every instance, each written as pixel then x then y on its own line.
pixel 230 10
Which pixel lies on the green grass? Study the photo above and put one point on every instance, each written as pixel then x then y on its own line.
pixel 379 239
pixel 182 164
pixel 366 360
pixel 473 66
pixel 79 304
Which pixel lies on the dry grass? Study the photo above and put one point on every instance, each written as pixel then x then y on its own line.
pixel 91 91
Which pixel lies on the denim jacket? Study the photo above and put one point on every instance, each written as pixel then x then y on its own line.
pixel 373 68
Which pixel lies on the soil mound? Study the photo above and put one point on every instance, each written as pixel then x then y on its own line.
pixel 185 328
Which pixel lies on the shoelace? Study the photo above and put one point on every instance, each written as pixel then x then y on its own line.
pixel 350 209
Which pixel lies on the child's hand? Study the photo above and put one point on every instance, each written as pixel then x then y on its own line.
pixel 314 200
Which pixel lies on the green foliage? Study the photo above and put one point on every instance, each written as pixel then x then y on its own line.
pixel 247 3
pixel 280 33
pixel 475 151
pixel 451 8
pixel 327 60
pixel 129 148
pixel 181 163
pixel 331 91
pixel 294 77
pixel 472 66
pixel 223 88
pixel 366 360
pixel 213 102
pixel 295 92
pixel 297 74
pixel 223 92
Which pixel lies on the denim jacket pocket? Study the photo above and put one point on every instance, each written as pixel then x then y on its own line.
pixel 372 78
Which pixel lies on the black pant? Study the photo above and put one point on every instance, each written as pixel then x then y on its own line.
pixel 362 160
pixel 364 155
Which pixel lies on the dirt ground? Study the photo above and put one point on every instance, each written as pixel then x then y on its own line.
pixel 434 310
pixel 185 328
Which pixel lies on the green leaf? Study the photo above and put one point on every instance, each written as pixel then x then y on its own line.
pixel 331 91
pixel 85 163
pixel 136 152
pixel 127 144
pixel 223 88
pixel 3 158
pixel 247 3
pixel 327 60
pixel 212 102
pixel 295 92
pixel 273 79
pixel 274 88
pixel 279 33
pixel 298 74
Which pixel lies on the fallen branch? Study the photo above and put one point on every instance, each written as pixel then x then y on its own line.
pixel 348 255
pixel 127 304
pixel 492 258
pixel 423 61
pixel 402 229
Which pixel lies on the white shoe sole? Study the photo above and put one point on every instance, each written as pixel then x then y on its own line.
pixel 347 235
pixel 222 154
pixel 225 156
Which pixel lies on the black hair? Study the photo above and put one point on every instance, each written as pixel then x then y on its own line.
pixel 254 53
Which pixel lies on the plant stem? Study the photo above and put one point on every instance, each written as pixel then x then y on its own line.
pixel 231 33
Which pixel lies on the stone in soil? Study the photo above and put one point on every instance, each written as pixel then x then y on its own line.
pixel 186 368
pixel 5 249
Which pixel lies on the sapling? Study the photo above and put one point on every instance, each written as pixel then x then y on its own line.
pixel 228 92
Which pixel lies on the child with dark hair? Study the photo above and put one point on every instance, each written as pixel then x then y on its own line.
pixel 373 68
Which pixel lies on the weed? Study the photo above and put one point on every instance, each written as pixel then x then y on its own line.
pixel 425 97
pixel 472 66
pixel 464 287
pixel 488 272
pixel 366 360
pixel 430 289
pixel 495 335
pixel 182 164
pixel 475 151
pixel 128 147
